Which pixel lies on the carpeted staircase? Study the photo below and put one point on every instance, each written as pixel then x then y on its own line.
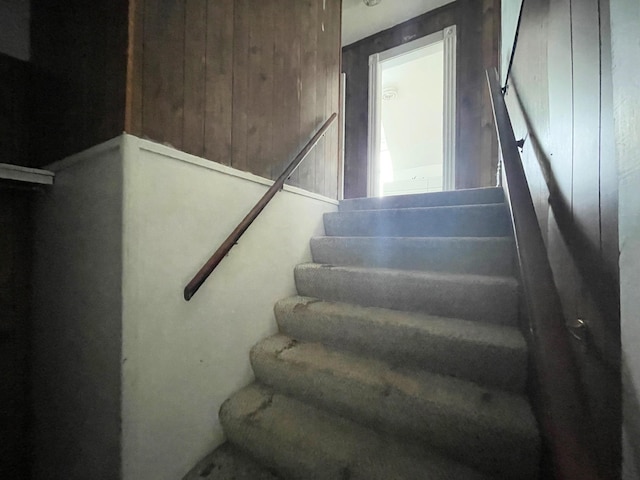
pixel 401 358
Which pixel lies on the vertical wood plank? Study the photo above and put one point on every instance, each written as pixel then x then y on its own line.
pixel 72 46
pixel 133 109
pixel 163 82
pixel 241 14
pixel 322 78
pixel 608 164
pixel 560 57
pixel 469 145
pixel 355 61
pixel 285 94
pixel 218 103
pixel 488 154
pixel 586 108
pixel 195 43
pixel 596 285
pixel 115 61
pixel 308 56
pixel 14 111
pixel 95 99
pixel 261 63
pixel 333 98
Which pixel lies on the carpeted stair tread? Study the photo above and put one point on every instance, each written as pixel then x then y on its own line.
pixel 488 429
pixel 485 353
pixel 434 199
pixel 302 442
pixel 401 358
pixel 491 220
pixel 472 297
pixel 483 256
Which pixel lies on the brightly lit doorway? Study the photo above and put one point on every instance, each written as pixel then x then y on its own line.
pixel 412 117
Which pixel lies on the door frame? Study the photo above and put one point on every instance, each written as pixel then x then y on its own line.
pixel 448 36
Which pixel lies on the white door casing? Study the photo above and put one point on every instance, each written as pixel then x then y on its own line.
pixel 448 37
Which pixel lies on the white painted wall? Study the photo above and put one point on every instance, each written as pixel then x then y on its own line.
pixel 360 21
pixel 76 318
pixel 128 376
pixel 625 41
pixel 14 28
pixel 413 119
pixel 184 359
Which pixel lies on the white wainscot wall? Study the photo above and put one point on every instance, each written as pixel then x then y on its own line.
pixel 180 360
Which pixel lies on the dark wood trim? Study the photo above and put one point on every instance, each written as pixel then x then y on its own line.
pixel 404 25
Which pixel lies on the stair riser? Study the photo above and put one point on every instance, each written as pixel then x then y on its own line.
pixel 385 335
pixel 437 199
pixel 478 256
pixel 475 221
pixel 467 297
pixel 462 430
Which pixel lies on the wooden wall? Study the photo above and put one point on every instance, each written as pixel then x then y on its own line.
pixel 14 267
pixel 560 100
pixel 79 55
pixel 14 138
pixel 15 260
pixel 244 83
pixel 625 45
pixel 478 30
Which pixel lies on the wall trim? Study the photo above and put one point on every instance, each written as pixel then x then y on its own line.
pixel 127 140
pixel 448 37
pixel 181 156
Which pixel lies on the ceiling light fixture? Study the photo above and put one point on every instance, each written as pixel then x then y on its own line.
pixel 371 3
pixel 389 93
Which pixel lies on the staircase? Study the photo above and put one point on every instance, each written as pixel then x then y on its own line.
pixel 401 358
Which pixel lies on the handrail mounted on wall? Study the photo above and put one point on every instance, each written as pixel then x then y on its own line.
pixel 206 270
pixel 563 418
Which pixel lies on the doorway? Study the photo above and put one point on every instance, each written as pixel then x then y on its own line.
pixel 412 117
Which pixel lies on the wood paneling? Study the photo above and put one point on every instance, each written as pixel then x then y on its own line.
pixel 561 101
pixel 478 30
pixel 286 73
pixel 163 77
pixel 240 94
pixel 14 107
pixel 218 60
pixel 195 47
pixel 308 58
pixel 244 83
pixel 79 56
pixel 15 261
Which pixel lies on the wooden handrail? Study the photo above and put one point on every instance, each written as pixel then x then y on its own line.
pixel 564 422
pixel 200 277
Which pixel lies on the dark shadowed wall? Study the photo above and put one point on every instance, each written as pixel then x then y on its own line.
pixel 560 100
pixel 14 135
pixel 79 56
pixel 478 30
pixel 14 297
pixel 625 45
pixel 14 271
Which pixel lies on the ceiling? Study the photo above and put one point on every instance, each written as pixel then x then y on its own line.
pixel 360 21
